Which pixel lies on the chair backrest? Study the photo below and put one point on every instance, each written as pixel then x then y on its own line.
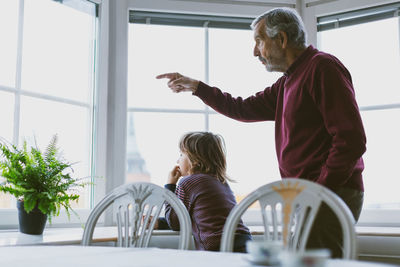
pixel 136 207
pixel 288 208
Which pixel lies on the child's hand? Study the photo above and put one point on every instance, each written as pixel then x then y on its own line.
pixel 148 223
pixel 174 175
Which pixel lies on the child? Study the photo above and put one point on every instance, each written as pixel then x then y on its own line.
pixel 204 191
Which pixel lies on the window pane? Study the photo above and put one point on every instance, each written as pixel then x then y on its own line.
pixel 251 157
pixel 381 175
pixel 374 64
pixel 7 117
pixel 6 200
pixel 58 50
pixel 230 57
pixel 372 57
pixel 152 143
pixel 57 60
pixel 233 67
pixel 157 49
pixel 8 33
pixel 70 123
pixel 6 134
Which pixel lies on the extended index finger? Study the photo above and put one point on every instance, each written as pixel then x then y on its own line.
pixel 171 75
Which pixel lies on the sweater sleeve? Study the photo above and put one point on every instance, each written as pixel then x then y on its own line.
pixel 334 97
pixel 170 215
pixel 259 107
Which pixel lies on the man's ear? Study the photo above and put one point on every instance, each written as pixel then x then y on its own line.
pixel 283 39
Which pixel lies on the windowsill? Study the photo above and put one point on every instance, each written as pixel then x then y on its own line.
pixel 64 236
pixel 73 236
pixel 378 231
pixel 360 230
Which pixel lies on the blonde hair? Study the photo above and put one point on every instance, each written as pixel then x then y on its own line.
pixel 206 152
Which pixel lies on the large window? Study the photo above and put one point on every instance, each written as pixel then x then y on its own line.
pixel 367 42
pixel 47 81
pixel 216 50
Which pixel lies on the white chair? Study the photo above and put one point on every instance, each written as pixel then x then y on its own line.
pixel 288 208
pixel 135 206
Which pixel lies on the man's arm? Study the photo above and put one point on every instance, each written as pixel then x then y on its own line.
pixel 259 107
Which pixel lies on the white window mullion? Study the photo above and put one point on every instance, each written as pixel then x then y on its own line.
pixel 206 72
pixel 398 20
pixel 380 107
pixel 17 107
pixel 93 111
pixel 117 95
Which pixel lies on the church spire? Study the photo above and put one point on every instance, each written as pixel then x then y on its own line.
pixel 136 165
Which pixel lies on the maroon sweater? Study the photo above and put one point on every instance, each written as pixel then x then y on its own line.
pixel 318 129
pixel 209 203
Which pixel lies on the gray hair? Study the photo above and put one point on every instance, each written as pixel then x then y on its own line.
pixel 286 20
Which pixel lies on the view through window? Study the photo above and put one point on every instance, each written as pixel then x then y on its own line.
pixel 223 57
pixel 371 52
pixel 157 118
pixel 47 83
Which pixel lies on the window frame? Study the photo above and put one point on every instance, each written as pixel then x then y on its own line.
pixel 369 217
pixel 10 216
pixel 110 149
pixel 200 21
pixel 340 14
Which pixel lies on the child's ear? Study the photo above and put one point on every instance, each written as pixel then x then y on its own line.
pixel 194 167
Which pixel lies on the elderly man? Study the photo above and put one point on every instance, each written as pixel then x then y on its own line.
pixel 319 134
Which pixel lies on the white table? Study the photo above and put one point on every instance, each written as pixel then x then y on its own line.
pixel 78 256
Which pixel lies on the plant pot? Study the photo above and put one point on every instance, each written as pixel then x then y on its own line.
pixel 31 223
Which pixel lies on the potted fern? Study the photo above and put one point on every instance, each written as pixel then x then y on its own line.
pixel 41 182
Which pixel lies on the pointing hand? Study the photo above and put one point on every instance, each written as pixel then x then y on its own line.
pixel 179 83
